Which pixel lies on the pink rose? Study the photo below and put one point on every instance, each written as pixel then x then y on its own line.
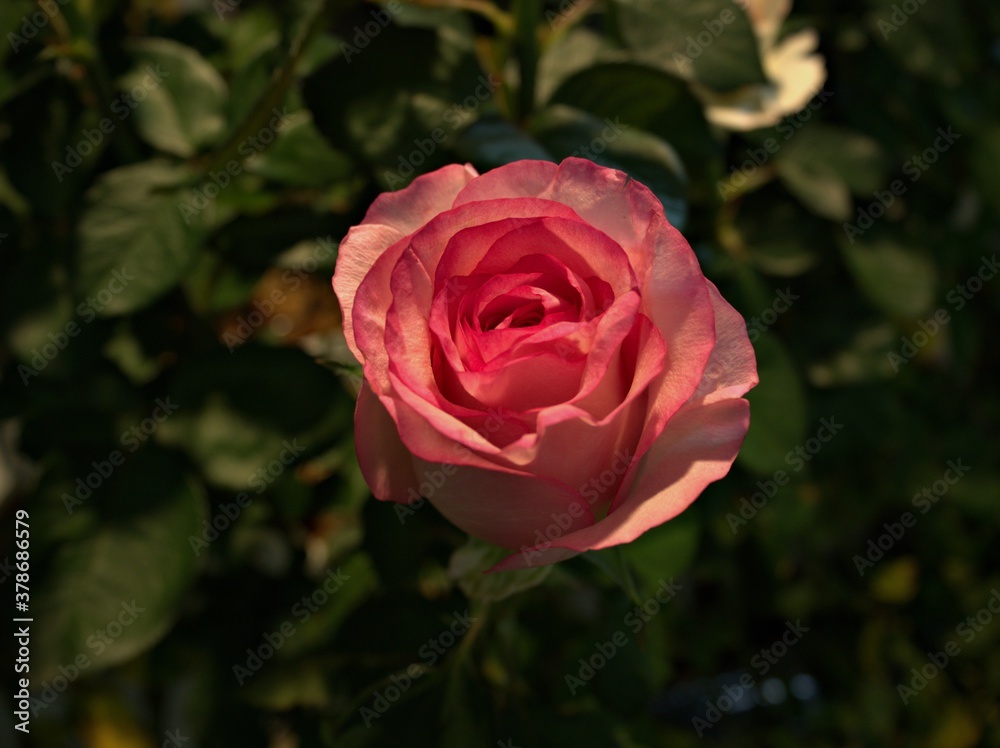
pixel 544 360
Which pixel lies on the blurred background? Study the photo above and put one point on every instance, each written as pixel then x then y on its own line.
pixel 205 565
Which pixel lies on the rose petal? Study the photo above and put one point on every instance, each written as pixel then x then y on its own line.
pixel 504 508
pixel 584 251
pixel 385 462
pixel 607 199
pixel 523 384
pixel 576 447
pixel 698 447
pixel 373 296
pixel 732 368
pixel 676 298
pixel 391 216
pixel 363 246
pixel 428 195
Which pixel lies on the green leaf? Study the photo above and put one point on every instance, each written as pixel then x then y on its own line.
pixel 358 582
pixel 301 157
pixel 823 164
pixel 898 279
pixel 569 53
pixel 777 409
pixel 135 243
pixel 248 81
pixel 15 16
pixel 115 592
pixel 781 238
pixel 489 143
pixel 713 37
pixel 213 286
pixel 664 551
pixel 400 125
pixel 182 108
pixel 985 148
pixel 643 97
pixel 237 415
pixel 125 349
pixel 36 304
pixel 459 717
pixel 284 686
pixel 613 562
pixel 247 35
pixel 10 197
pixel 644 157
pixel 469 563
pixel 856 159
pixel 821 191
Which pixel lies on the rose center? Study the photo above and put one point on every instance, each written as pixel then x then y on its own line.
pixel 525 306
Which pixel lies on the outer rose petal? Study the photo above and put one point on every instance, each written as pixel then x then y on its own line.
pixel 697 447
pixel 732 369
pixel 730 372
pixel 605 198
pixel 391 216
pixel 385 462
pixel 505 508
pixel 677 300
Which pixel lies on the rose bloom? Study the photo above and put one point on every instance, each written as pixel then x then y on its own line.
pixel 544 360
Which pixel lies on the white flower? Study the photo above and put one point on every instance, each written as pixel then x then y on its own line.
pixel 795 73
